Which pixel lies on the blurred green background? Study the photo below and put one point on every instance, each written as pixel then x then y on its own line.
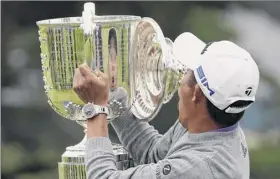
pixel 34 136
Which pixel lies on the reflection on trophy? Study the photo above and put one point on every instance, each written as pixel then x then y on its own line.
pixel 113 58
pixel 131 50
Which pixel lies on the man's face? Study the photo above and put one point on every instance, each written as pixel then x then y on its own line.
pixel 186 105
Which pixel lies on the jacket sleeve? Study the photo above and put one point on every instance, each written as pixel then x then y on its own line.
pixel 143 142
pixel 100 164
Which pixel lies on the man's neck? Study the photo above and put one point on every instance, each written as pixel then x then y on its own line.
pixel 201 124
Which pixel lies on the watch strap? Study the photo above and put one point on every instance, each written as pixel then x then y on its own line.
pixel 101 109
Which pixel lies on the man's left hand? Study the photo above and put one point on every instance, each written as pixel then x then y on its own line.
pixel 91 86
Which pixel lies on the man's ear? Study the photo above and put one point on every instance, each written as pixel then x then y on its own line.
pixel 197 94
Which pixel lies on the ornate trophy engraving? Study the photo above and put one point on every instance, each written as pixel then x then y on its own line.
pixel 131 50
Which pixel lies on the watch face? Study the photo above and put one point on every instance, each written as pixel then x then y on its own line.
pixel 88 110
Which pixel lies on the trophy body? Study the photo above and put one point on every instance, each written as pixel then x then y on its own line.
pixel 131 50
pixel 65 46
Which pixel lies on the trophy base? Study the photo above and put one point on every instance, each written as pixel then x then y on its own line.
pixel 72 165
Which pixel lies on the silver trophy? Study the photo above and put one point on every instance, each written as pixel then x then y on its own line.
pixel 131 50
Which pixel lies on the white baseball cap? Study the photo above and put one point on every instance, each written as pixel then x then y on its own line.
pixel 225 72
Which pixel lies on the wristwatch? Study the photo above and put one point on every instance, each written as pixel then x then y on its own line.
pixel 91 110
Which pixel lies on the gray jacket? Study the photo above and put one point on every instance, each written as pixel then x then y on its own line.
pixel 177 154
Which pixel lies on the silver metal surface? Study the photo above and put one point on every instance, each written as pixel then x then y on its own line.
pixel 131 50
pixel 65 46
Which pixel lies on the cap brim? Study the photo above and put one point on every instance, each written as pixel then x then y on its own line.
pixel 187 49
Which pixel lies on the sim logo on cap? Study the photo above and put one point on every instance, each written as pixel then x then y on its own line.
pixel 204 80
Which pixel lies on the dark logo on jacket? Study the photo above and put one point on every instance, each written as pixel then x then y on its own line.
pixel 166 169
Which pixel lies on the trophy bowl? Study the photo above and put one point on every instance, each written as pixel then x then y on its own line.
pixel 65 46
pixel 131 50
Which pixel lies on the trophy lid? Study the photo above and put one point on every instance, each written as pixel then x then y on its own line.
pixel 79 20
pixel 87 14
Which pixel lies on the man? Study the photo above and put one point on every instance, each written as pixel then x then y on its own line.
pixel 205 143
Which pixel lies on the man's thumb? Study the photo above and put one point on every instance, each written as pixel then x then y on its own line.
pixel 84 70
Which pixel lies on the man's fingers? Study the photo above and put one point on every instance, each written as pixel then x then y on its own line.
pixel 84 78
pixel 89 68
pixel 83 83
pixel 85 71
pixel 103 76
pixel 95 81
pixel 76 78
pixel 82 88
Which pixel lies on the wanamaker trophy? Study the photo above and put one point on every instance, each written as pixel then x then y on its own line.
pixel 131 50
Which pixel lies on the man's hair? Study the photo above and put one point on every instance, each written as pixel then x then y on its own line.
pixel 220 117
pixel 223 118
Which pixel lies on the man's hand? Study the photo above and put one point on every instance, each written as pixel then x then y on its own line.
pixel 91 86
